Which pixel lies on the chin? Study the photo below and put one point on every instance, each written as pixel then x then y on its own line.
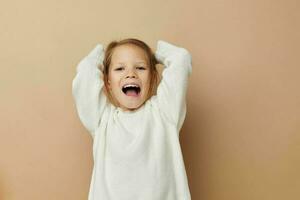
pixel 132 106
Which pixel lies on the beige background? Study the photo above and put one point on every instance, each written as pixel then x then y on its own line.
pixel 241 137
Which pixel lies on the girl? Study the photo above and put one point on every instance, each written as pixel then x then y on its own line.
pixel 135 131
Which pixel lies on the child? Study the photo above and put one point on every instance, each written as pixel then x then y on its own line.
pixel 136 149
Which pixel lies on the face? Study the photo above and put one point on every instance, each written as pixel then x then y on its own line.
pixel 129 77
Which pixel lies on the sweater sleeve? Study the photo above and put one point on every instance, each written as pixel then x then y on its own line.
pixel 87 89
pixel 171 92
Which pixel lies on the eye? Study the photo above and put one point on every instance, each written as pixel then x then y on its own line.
pixel 141 68
pixel 119 68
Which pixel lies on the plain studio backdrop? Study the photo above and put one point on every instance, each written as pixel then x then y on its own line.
pixel 241 136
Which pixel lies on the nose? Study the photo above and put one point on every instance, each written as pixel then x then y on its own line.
pixel 131 74
pixel 130 77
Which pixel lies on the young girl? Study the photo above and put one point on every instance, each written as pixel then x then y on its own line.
pixel 135 131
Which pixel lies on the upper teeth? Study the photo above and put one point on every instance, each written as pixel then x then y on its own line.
pixel 130 85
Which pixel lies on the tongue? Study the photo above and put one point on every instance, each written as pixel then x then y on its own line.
pixel 131 93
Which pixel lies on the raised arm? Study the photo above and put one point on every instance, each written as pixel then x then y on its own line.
pixel 171 92
pixel 87 89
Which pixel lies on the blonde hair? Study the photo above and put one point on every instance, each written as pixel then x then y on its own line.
pixel 154 76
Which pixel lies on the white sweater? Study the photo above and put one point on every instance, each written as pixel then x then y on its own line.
pixel 137 155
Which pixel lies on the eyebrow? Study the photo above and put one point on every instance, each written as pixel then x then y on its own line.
pixel 136 62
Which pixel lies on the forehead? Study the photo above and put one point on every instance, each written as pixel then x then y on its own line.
pixel 128 53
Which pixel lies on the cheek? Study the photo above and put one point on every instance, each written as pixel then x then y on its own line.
pixel 146 76
pixel 114 85
pixel 112 80
pixel 146 79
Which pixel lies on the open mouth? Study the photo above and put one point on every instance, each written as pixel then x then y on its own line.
pixel 131 90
